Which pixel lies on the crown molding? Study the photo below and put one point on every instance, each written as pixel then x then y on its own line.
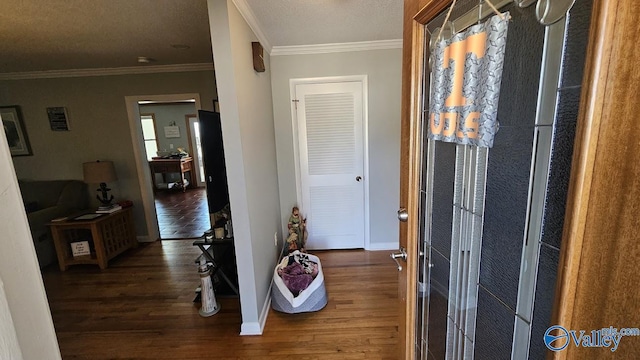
pixel 252 21
pixel 336 48
pixel 49 74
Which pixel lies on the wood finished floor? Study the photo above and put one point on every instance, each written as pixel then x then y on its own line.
pixel 182 215
pixel 141 308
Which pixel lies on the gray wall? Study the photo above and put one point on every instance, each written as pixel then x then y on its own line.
pixel 250 154
pixel 20 273
pixel 383 68
pixel 98 122
pixel 164 115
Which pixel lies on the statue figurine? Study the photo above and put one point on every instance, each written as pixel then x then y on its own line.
pixel 297 225
pixel 292 242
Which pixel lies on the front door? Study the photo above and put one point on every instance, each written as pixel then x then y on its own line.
pixel 471 286
pixel 330 119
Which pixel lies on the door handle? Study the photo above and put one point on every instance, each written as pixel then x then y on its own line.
pixel 358 178
pixel 402 255
pixel 403 215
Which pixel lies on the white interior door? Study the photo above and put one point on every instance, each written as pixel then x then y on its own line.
pixel 331 151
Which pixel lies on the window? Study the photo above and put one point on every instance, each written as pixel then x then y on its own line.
pixel 149 135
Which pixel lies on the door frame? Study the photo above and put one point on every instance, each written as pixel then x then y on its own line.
pixel 417 13
pixel 363 79
pixel 194 153
pixel 139 154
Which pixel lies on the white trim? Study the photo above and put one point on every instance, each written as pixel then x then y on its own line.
pixel 365 135
pixel 140 156
pixel 254 24
pixel 335 48
pixel 363 79
pixel 250 328
pixel 144 238
pixel 296 146
pixel 197 160
pixel 256 328
pixel 265 309
pixel 48 74
pixel 393 245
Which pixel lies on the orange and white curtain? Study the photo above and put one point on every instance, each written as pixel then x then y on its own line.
pixel 465 88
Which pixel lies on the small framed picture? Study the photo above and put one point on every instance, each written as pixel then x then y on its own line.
pixel 171 132
pixel 15 131
pixel 58 119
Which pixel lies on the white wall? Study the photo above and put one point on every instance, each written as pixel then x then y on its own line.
pixel 250 154
pixel 98 121
pixel 19 270
pixel 9 347
pixel 383 68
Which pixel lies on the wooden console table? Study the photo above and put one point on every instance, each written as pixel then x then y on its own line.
pixel 165 166
pixel 109 235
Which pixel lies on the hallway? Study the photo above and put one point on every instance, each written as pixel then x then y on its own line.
pixel 141 308
pixel 182 215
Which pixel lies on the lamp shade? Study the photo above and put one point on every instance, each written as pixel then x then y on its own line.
pixel 99 172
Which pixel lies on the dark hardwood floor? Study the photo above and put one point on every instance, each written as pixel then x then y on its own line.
pixel 182 215
pixel 141 307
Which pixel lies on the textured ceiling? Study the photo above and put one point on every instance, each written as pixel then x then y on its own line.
pixel 39 35
pixel 80 34
pixel 306 22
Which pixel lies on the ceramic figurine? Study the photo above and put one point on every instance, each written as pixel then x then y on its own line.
pixel 297 225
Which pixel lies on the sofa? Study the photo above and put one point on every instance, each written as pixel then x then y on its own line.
pixel 45 200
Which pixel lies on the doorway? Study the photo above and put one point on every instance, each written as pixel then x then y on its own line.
pixel 166 145
pixel 169 140
pixel 330 117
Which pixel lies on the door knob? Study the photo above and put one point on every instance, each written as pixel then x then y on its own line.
pixel 403 215
pixel 358 178
pixel 402 255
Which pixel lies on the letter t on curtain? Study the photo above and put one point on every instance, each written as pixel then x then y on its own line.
pixel 467 71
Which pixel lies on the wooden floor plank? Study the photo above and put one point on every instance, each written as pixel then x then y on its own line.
pixel 141 308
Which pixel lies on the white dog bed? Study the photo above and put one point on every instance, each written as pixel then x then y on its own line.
pixel 313 298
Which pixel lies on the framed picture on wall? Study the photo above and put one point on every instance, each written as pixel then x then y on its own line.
pixel 15 131
pixel 171 132
pixel 58 119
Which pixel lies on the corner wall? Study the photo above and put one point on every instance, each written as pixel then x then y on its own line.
pixel 383 68
pixel 19 271
pixel 250 155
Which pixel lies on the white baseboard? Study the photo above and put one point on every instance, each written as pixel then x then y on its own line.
pixel 256 328
pixel 143 238
pixel 393 245
pixel 250 328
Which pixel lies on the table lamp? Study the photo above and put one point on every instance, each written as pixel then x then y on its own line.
pixel 100 172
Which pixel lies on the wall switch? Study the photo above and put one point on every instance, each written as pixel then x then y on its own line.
pixel 170 146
